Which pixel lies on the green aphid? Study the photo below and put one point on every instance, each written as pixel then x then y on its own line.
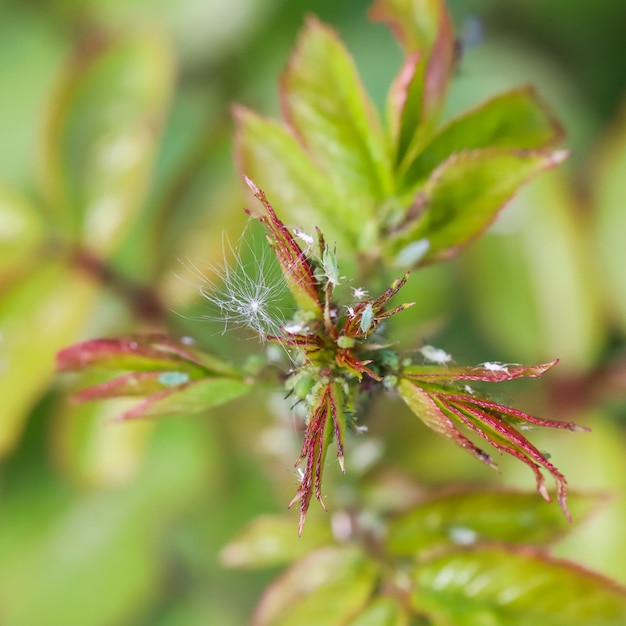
pixel 331 269
pixel 367 318
pixel 171 379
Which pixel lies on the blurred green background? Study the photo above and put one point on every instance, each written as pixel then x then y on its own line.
pixel 106 524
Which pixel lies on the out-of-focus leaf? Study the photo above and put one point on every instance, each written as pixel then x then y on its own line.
pixel 269 540
pixel 462 198
pixel 193 397
pixel 382 612
pixel 101 137
pixel 37 317
pixel 610 220
pixel 274 159
pixel 109 542
pixel 324 102
pixel 425 30
pixel 464 518
pixel 534 287
pixel 326 587
pixel 514 587
pixel 141 353
pixel 515 119
pixel 92 449
pixel 21 229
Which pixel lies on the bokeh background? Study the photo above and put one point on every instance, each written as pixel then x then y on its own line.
pixel 107 524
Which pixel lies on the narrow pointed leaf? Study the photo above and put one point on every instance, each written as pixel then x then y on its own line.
pixel 514 587
pixel 467 517
pixel 325 104
pixel 463 197
pixel 478 372
pixel 515 119
pixel 102 133
pixel 326 587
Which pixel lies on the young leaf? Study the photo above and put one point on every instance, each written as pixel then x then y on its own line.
pixel 324 103
pixel 467 517
pixel 326 587
pixel 514 587
pixel 102 134
pixel 462 198
pixel 270 155
pixel 425 30
pixel 515 119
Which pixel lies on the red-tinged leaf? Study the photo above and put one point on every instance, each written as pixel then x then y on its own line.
pixel 515 119
pixel 134 353
pixel 133 384
pixel 327 422
pixel 505 438
pixel 294 264
pixel 461 199
pixel 426 33
pixel 326 587
pixel 496 372
pixel 427 409
pixel 346 359
pixel 188 399
pixel 325 104
pixel 514 587
pixel 466 517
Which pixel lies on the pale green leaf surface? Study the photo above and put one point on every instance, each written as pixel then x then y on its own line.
pixel 38 316
pixel 21 229
pixel 505 587
pixel 382 612
pixel 609 228
pixel 323 589
pixel 102 133
pixel 466 517
pixel 301 194
pixel 324 102
pixel 514 119
pixel 194 397
pixel 269 540
pixel 463 197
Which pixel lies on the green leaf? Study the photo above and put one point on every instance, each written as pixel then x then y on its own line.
pixel 382 612
pixel 425 30
pixel 105 546
pixel 461 199
pixel 268 540
pixel 326 587
pixel 324 102
pixel 193 397
pixel 515 119
pixel 275 160
pixel 610 220
pixel 103 129
pixel 467 517
pixel 38 316
pixel 514 587
pixel 415 23
pixel 21 229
